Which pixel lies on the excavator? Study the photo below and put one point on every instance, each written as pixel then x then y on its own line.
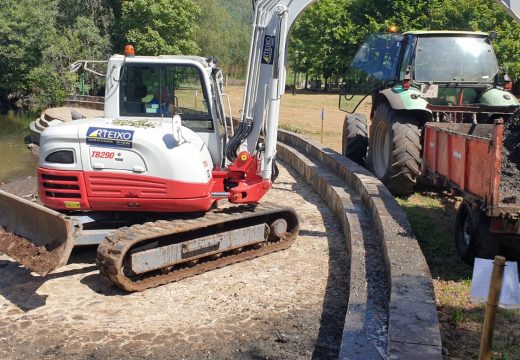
pixel 143 182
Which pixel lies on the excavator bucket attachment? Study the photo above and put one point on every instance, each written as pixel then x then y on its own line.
pixel 38 238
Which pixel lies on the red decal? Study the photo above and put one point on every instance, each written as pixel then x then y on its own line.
pixel 103 154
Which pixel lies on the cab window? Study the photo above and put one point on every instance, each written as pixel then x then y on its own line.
pixel 149 90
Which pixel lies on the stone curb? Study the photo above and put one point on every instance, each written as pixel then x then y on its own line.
pixel 413 329
pixel 350 211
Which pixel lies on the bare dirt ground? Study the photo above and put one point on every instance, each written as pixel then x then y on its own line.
pixel 287 305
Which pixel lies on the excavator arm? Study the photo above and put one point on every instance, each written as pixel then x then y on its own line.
pixel 265 81
pixel 512 7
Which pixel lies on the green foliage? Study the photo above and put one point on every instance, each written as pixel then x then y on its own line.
pixel 160 26
pixel 322 38
pixel 457 316
pixel 225 32
pixel 100 11
pixel 27 28
pixel 46 86
pixel 37 49
pixel 50 82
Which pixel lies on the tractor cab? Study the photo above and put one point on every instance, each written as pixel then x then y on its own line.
pixel 439 68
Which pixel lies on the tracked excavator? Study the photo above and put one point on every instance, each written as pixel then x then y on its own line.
pixel 143 181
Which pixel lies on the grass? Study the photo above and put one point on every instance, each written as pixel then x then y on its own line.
pixel 432 216
pixel 301 113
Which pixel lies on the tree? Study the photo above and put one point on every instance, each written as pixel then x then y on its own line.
pixel 323 37
pixel 160 26
pixel 52 80
pixel 225 32
pixel 99 11
pixel 27 28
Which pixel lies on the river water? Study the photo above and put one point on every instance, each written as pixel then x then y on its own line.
pixel 16 159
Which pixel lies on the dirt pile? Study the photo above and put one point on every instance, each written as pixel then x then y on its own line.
pixel 510 172
pixel 34 257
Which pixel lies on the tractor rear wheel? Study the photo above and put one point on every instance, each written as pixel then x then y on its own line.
pixel 394 151
pixel 472 235
pixel 355 137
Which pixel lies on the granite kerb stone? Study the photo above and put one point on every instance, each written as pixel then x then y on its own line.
pixel 413 318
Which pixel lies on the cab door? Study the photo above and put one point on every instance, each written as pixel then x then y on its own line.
pixel 374 66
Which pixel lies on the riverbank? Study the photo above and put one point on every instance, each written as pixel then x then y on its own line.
pixel 17 160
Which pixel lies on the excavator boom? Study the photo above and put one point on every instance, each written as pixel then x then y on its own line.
pixel 512 7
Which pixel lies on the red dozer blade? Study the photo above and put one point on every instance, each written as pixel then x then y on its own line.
pixel 39 238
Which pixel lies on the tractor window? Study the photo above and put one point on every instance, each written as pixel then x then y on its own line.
pixel 149 90
pixel 378 56
pixel 374 65
pixel 455 59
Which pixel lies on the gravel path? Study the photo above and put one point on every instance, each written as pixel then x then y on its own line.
pixel 287 305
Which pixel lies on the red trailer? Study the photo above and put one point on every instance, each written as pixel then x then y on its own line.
pixel 468 158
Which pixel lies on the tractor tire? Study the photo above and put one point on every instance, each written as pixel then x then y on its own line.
pixel 472 236
pixel 394 151
pixel 355 138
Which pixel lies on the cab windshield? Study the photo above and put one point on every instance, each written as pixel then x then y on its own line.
pixel 150 90
pixel 455 59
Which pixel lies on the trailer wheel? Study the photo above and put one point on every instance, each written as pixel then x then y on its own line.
pixel 355 138
pixel 394 151
pixel 472 236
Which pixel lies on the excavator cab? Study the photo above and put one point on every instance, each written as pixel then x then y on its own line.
pixel 156 90
pixel 159 88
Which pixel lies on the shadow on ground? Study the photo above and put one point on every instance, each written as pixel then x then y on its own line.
pixel 335 301
pixel 15 276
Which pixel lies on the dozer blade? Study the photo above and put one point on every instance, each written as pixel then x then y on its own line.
pixel 38 238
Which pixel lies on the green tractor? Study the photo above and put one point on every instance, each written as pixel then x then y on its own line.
pixel 411 79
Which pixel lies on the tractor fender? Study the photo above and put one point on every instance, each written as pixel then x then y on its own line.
pixel 498 97
pixel 400 99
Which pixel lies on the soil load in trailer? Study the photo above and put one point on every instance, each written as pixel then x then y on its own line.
pixel 510 172
pixel 481 160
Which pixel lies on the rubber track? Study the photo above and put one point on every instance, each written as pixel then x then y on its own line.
pixel 112 251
